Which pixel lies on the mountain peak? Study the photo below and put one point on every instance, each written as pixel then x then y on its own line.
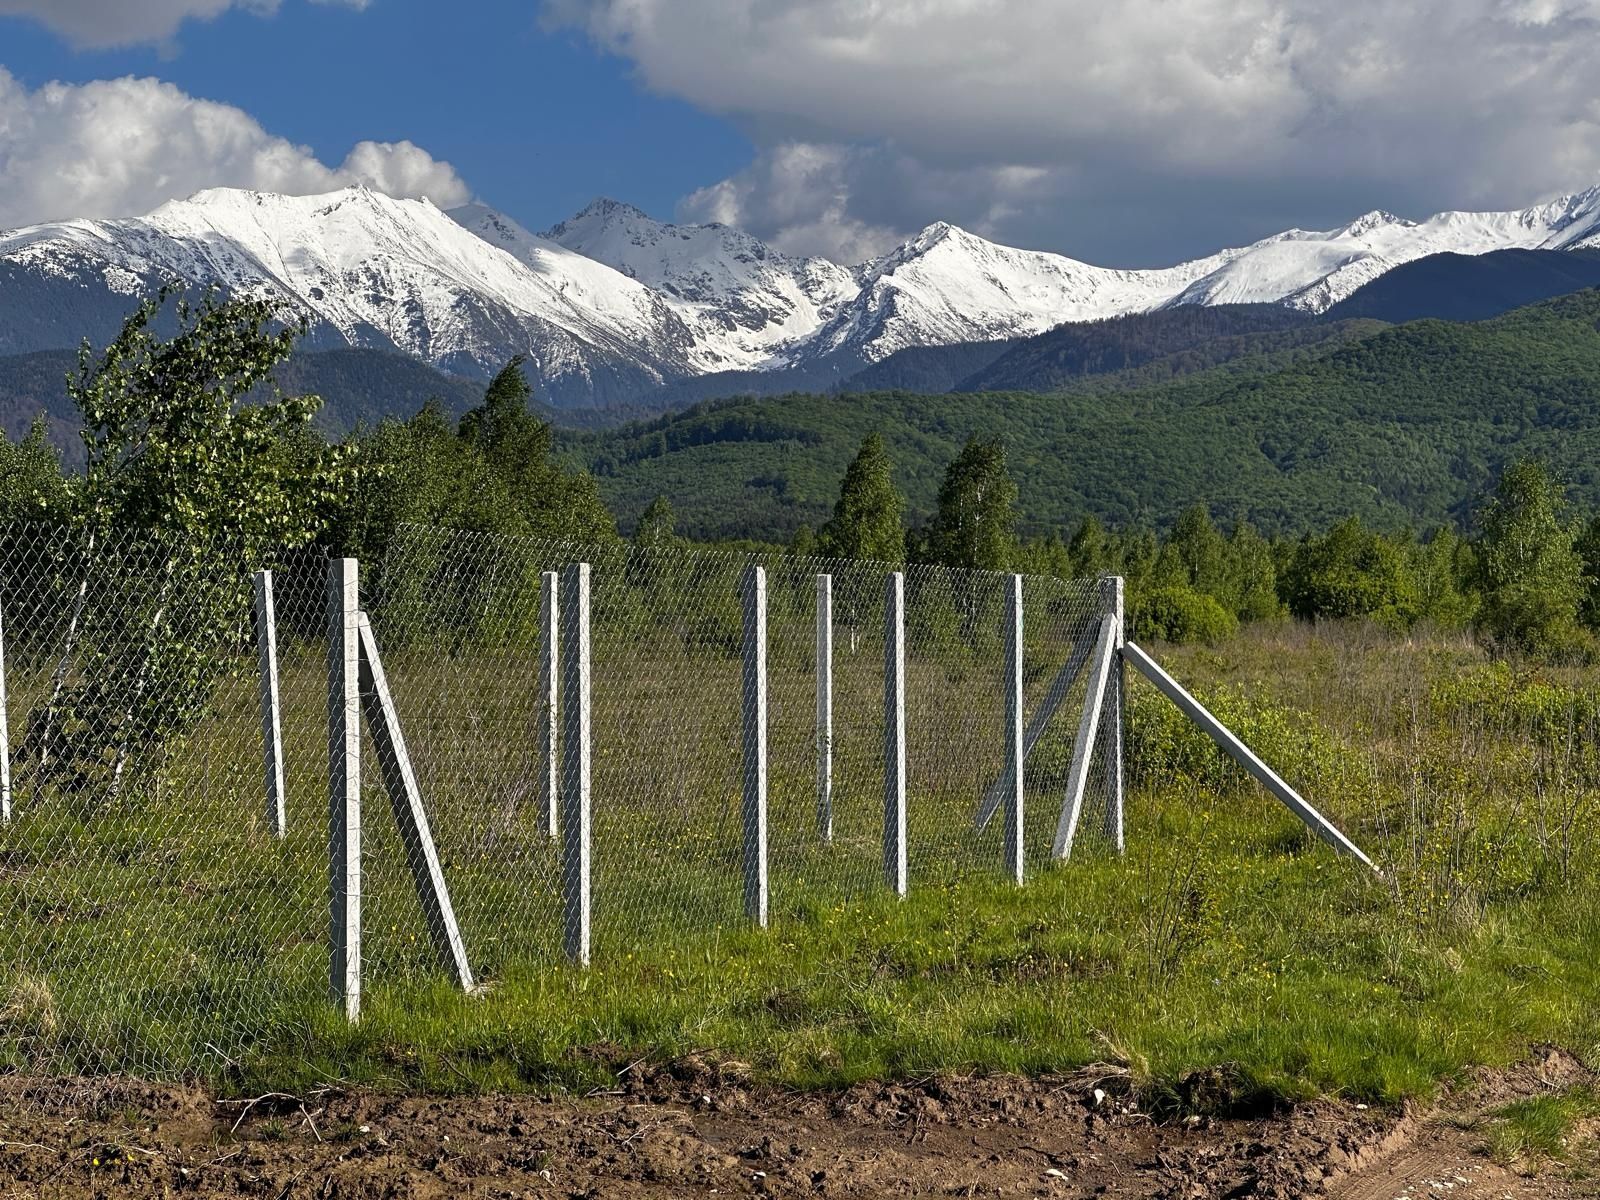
pixel 1376 219
pixel 939 231
pixel 932 236
pixel 606 208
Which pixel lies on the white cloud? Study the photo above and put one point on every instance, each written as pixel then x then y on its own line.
pixel 1411 104
pixel 120 147
pixel 404 169
pixel 843 202
pixel 102 23
pixel 800 193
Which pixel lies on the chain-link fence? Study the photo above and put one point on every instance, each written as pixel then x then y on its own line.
pixel 165 881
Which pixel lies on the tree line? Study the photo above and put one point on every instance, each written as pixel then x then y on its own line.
pixel 1527 580
pixel 188 441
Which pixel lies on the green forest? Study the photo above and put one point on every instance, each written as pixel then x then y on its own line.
pixel 1404 427
pixel 1430 473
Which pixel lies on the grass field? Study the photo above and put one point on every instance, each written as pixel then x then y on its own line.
pixel 1226 957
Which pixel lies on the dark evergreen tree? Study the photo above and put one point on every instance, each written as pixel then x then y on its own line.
pixel 493 473
pixel 867 519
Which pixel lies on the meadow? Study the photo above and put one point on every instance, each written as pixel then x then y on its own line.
pixel 1226 958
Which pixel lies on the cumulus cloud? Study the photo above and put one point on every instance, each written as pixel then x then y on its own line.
pixel 120 147
pixel 800 193
pixel 404 169
pixel 844 202
pixel 102 23
pixel 1063 115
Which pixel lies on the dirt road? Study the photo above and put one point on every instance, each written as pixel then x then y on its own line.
pixel 693 1129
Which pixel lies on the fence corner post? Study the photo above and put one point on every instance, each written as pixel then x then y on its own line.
pixel 1013 850
pixel 754 708
pixel 825 708
pixel 1114 599
pixel 894 733
pixel 576 669
pixel 344 784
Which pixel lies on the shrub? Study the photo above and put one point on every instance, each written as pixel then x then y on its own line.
pixel 1164 747
pixel 1350 571
pixel 1177 613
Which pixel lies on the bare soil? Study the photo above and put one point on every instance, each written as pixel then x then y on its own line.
pixel 695 1128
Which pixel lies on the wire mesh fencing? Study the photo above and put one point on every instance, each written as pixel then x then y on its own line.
pixel 184 877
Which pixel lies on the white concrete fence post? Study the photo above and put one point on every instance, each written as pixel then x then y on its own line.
pixel 271 712
pixel 1043 714
pixel 1102 661
pixel 1116 699
pixel 344 785
pixel 825 708
pixel 1013 851
pixel 549 699
pixel 1247 758
pixel 576 725
pixel 894 733
pixel 755 743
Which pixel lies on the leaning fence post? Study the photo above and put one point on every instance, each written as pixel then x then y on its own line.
pixel 5 735
pixel 344 784
pixel 894 730
pixel 1116 698
pixel 1247 758
pixel 1094 704
pixel 271 720
pixel 755 743
pixel 825 708
pixel 575 752
pixel 1012 850
pixel 549 698
pixel 410 817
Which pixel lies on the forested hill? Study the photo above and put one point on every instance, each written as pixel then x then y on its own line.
pixel 358 387
pixel 1402 427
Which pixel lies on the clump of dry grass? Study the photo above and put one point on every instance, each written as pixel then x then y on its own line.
pixel 29 1011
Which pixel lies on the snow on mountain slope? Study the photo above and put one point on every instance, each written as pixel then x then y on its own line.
pixel 747 302
pixel 612 304
pixel 375 271
pixel 947 285
pixel 1314 271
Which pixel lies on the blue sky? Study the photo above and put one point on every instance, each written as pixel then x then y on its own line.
pixel 1130 134
pixel 538 122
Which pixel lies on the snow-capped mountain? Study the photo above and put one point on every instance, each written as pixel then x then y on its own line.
pixel 947 286
pixel 749 305
pixel 368 270
pixel 610 305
